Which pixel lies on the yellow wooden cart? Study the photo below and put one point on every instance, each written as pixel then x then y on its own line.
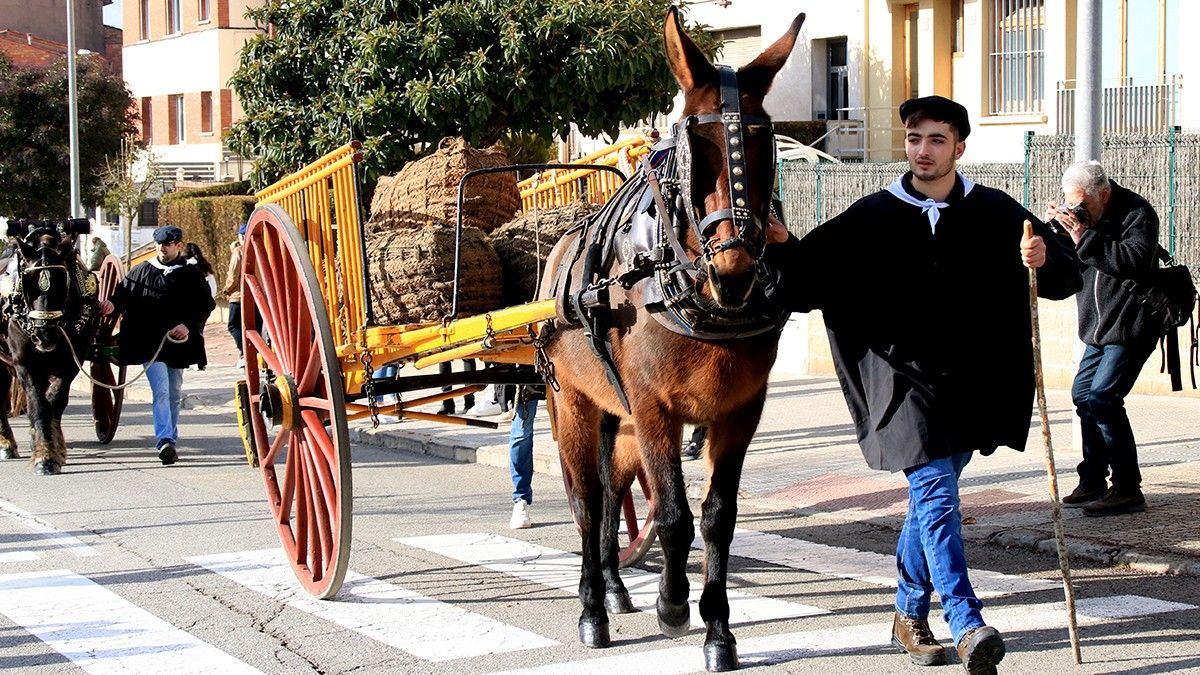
pixel 311 348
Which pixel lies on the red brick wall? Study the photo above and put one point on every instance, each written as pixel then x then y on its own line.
pixel 16 46
pixel 218 17
pixel 113 40
pixel 162 118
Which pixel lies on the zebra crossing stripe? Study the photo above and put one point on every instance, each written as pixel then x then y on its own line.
pixel 871 568
pixel 101 632
pixel 422 626
pixel 784 647
pixel 559 569
pixel 18 556
pixel 48 531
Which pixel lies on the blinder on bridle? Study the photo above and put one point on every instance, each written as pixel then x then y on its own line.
pixel 38 279
pixel 733 124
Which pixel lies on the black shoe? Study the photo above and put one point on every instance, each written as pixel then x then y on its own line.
pixel 980 650
pixel 1115 503
pixel 446 409
pixel 166 453
pixel 690 451
pixel 1081 496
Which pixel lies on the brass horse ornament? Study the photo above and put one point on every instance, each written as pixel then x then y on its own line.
pixel 662 321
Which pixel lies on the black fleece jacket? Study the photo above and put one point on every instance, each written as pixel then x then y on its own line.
pixel 1122 245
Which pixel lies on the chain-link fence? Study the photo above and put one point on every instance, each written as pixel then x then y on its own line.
pixel 1163 168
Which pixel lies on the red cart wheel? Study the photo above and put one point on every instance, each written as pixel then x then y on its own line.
pixel 106 403
pixel 297 401
pixel 637 534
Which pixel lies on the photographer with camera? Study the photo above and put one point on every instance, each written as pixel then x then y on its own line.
pixel 1116 237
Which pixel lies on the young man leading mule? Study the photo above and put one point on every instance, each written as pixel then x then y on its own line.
pixel 923 288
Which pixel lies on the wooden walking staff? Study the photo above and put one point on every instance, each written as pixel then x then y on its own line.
pixel 1060 539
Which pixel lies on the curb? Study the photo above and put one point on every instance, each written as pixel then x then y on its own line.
pixel 1036 541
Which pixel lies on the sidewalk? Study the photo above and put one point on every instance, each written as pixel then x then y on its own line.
pixel 804 460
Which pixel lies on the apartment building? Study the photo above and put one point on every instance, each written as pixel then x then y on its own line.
pixel 47 19
pixel 1010 62
pixel 178 58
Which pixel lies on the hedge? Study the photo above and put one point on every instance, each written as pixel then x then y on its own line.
pixel 210 222
pixel 241 187
pixel 804 131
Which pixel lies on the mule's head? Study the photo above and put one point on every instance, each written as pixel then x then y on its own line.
pixel 727 160
pixel 45 287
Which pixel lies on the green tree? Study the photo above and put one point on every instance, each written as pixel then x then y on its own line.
pixel 35 160
pixel 402 74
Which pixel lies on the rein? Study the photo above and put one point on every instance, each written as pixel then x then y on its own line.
pixel 75 357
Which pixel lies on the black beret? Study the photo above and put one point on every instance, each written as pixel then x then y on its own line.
pixel 167 234
pixel 939 109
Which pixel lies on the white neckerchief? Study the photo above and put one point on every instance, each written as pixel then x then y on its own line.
pixel 166 269
pixel 930 207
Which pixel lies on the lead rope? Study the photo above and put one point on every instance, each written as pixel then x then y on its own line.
pixel 118 387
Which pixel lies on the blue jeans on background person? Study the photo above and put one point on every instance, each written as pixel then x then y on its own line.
pixel 520 450
pixel 388 372
pixel 234 325
pixel 166 387
pixel 1106 376
pixel 930 554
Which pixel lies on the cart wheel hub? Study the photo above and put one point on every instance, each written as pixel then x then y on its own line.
pixel 277 400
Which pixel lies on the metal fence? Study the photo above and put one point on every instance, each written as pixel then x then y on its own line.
pixel 1164 168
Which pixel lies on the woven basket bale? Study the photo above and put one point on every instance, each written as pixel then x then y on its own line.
pixel 426 191
pixel 524 242
pixel 412 274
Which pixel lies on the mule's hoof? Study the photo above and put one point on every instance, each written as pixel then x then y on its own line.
pixel 47 467
pixel 8 453
pixel 593 633
pixel 674 620
pixel 618 602
pixel 720 656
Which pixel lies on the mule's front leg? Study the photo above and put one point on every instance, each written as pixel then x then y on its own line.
pixel 578 426
pixel 8 442
pixel 47 457
pixel 619 462
pixel 57 394
pixel 659 437
pixel 727 443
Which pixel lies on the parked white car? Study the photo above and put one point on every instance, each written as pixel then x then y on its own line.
pixel 792 149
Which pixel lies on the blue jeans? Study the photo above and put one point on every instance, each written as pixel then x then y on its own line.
pixel 1106 376
pixel 930 554
pixel 520 450
pixel 234 325
pixel 166 386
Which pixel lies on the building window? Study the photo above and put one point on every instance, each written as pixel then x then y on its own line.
pixel 147 121
pixel 958 34
pixel 1016 58
pixel 174 21
pixel 202 10
pixel 739 46
pixel 144 19
pixel 206 112
pixel 178 130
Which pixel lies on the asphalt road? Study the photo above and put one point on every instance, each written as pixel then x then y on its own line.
pixel 123 565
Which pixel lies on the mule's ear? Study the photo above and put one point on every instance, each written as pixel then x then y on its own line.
pixel 691 68
pixel 28 252
pixel 755 78
pixel 66 245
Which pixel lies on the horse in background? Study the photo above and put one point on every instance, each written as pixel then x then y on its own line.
pixel 48 300
pixel 662 322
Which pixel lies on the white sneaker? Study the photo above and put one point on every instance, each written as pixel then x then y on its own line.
pixel 484 408
pixel 520 516
pixel 241 362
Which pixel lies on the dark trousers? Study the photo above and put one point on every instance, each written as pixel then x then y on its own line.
pixel 445 368
pixel 235 324
pixel 1106 376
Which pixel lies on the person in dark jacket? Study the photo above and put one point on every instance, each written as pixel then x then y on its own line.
pixel 1116 233
pixel 163 303
pixel 924 291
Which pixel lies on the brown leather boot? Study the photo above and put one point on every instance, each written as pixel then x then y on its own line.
pixel 980 649
pixel 915 638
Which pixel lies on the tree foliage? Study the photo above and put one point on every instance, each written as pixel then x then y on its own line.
pixel 402 74
pixel 35 160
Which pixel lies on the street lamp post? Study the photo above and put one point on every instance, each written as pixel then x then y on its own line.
pixel 73 110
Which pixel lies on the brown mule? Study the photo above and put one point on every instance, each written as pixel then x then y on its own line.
pixel 718 202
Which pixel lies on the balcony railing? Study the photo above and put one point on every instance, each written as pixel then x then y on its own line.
pixel 1127 108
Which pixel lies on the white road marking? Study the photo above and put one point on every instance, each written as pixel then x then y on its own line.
pixel 100 631
pixel 422 626
pixel 48 531
pixel 18 556
pixel 786 647
pixel 877 569
pixel 559 569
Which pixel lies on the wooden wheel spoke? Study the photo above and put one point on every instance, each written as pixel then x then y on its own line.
pixel 631 519
pixel 287 490
pixel 269 459
pixel 262 302
pixel 255 338
pixel 283 311
pixel 301 514
pixel 309 373
pixel 319 506
pixel 314 426
pixel 270 297
pixel 316 402
pixel 321 468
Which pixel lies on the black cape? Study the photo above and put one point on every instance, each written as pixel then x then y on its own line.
pixel 930 330
pixel 154 299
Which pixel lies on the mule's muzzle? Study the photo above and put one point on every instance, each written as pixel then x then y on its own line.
pixel 730 291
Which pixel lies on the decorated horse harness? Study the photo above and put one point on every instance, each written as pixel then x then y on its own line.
pixel 18 290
